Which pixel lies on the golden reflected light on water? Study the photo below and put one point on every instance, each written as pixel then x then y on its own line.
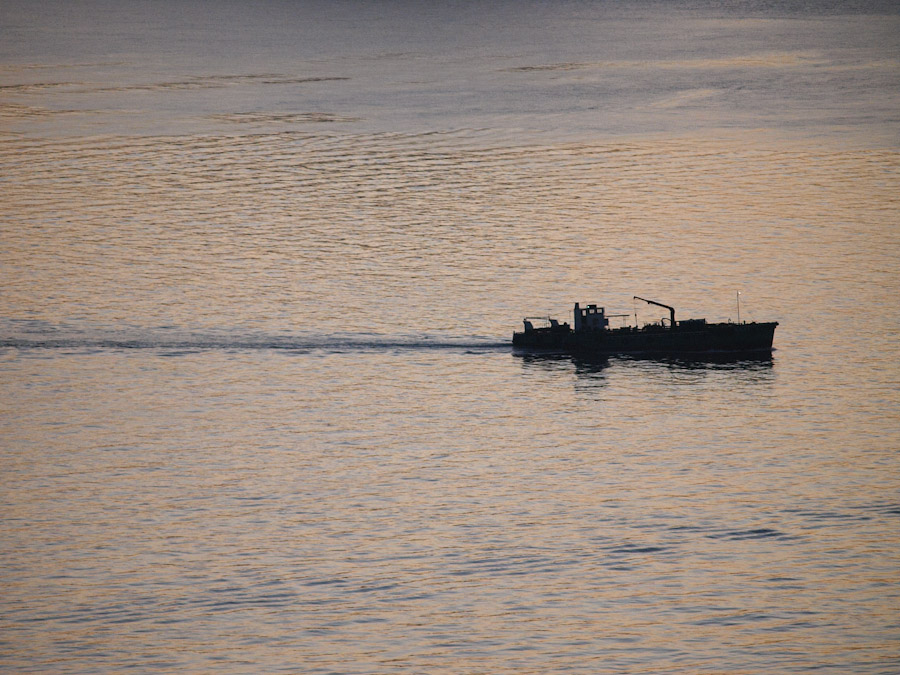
pixel 260 274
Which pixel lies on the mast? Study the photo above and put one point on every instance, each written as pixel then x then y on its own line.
pixel 659 304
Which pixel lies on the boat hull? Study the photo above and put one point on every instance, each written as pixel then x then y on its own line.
pixel 736 338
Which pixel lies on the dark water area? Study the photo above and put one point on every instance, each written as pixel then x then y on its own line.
pixel 261 266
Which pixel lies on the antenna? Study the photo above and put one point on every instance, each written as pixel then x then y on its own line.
pixel 739 306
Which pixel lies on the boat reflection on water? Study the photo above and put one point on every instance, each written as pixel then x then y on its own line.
pixel 596 364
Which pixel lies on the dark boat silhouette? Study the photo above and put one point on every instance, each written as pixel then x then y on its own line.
pixel 592 335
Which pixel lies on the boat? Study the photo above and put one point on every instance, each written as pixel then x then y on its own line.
pixel 591 334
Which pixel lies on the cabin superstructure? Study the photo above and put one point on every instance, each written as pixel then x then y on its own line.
pixel 590 318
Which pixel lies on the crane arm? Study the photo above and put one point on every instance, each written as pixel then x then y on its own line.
pixel 659 304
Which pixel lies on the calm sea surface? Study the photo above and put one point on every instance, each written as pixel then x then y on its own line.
pixel 260 266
